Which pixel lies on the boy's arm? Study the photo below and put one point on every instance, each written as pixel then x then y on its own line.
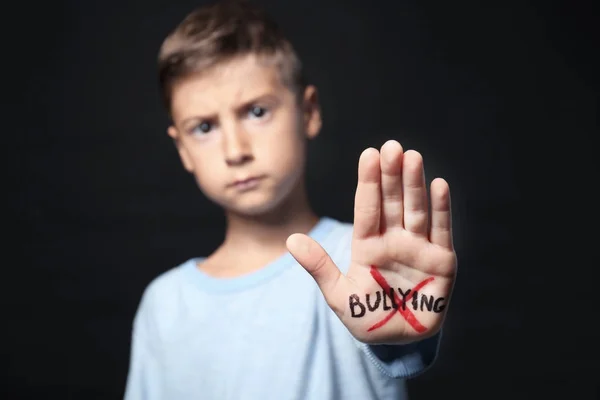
pixel 143 380
pixel 403 361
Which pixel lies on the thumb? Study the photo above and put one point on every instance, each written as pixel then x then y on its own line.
pixel 317 263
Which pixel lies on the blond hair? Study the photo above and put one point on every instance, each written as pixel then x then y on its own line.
pixel 220 32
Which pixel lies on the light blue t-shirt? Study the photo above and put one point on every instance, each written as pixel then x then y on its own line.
pixel 267 335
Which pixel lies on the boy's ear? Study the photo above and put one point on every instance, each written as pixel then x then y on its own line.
pixel 186 160
pixel 312 112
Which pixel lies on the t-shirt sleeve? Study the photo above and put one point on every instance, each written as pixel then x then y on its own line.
pixel 404 361
pixel 143 379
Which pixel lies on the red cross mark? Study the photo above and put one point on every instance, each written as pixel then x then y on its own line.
pixel 405 312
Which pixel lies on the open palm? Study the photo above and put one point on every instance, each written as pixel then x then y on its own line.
pixel 400 280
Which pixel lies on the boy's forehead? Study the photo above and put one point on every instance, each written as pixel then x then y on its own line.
pixel 228 85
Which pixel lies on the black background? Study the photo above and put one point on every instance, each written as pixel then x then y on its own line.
pixel 498 96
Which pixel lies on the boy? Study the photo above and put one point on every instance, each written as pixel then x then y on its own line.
pixel 291 305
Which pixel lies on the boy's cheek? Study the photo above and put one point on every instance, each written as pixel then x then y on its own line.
pixel 210 188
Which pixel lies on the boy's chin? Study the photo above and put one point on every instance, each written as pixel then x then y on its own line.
pixel 253 207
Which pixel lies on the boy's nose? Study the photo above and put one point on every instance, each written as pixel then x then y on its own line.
pixel 237 148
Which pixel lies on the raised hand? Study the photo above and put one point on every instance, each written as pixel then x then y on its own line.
pixel 403 267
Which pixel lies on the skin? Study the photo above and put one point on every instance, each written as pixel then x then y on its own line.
pixel 236 120
pixel 223 133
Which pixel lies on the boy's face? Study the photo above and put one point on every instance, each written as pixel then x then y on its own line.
pixel 242 133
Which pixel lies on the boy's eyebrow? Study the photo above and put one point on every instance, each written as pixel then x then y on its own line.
pixel 268 97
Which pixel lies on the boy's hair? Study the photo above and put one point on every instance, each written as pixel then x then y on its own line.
pixel 219 32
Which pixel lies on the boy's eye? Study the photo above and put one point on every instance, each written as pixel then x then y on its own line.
pixel 257 111
pixel 203 127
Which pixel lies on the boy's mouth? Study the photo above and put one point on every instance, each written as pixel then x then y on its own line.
pixel 247 183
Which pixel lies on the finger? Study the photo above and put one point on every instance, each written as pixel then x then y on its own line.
pixel 415 193
pixel 367 202
pixel 392 209
pixel 319 265
pixel 441 214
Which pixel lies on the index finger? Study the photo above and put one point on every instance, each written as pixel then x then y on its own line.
pixel 367 201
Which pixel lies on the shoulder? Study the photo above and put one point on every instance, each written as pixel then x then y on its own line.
pixel 339 232
pixel 160 303
pixel 338 241
pixel 164 287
